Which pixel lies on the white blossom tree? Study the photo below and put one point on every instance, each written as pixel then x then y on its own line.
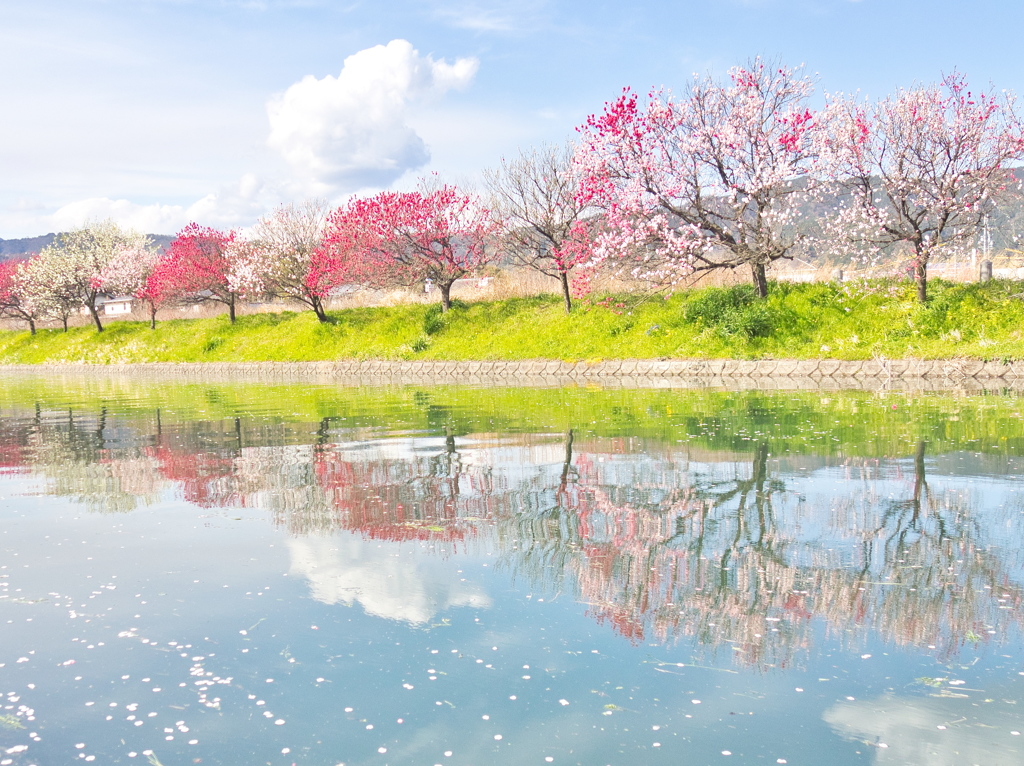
pixel 98 259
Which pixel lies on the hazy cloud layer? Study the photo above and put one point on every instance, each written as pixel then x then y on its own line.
pixel 352 131
pixel 228 207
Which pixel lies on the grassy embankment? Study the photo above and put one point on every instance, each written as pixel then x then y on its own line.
pixel 983 321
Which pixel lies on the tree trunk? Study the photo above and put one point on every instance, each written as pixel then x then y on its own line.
pixel 921 277
pixel 95 315
pixel 563 277
pixel 318 308
pixel 152 316
pixel 757 271
pixel 231 308
pixel 64 320
pixel 446 294
pixel 31 326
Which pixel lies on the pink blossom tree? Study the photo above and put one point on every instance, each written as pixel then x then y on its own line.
pixel 922 167
pixel 715 179
pixel 536 203
pixel 408 238
pixel 201 265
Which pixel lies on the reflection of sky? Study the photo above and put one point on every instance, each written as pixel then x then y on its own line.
pixel 392 580
pixel 925 731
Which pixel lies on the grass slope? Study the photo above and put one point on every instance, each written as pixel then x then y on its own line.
pixel 984 321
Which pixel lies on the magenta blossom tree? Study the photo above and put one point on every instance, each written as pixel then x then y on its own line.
pixel 922 168
pixel 407 238
pixel 201 265
pixel 716 178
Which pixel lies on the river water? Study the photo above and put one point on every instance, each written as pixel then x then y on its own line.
pixel 247 574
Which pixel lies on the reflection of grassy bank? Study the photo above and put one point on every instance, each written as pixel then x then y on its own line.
pixel 796 321
pixel 854 423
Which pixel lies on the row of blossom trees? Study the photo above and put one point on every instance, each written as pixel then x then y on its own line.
pixel 741 173
pixel 299 253
pixel 746 173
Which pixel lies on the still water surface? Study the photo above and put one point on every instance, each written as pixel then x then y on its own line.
pixel 226 574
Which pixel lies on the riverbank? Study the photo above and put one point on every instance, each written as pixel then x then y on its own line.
pixel 909 374
pixel 855 323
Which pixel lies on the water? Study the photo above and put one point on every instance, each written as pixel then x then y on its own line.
pixel 251 574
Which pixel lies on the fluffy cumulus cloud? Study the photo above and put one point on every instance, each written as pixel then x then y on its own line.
pixel 353 131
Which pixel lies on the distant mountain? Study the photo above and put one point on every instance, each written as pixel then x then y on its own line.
pixel 21 248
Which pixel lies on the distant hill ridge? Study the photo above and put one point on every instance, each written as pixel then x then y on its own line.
pixel 18 248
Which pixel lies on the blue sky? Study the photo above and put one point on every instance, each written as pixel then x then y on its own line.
pixel 156 112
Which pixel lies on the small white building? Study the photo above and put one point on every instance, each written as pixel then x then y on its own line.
pixel 118 306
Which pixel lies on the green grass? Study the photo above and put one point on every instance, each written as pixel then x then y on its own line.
pixel 882 319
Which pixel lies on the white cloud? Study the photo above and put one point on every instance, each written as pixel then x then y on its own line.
pixel 918 731
pixel 387 580
pixel 352 131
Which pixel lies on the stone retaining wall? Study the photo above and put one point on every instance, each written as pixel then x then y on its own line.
pixel 633 373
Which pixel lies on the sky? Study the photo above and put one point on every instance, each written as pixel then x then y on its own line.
pixel 159 112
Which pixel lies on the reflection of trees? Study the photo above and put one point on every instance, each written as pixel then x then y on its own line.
pixel 90 458
pixel 929 575
pixel 659 542
pixel 428 493
pixel 665 548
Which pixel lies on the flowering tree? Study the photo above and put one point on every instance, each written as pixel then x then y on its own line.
pixel 201 265
pixel 409 238
pixel 283 254
pixel 535 199
pixel 83 265
pixel 713 180
pixel 15 301
pixel 923 167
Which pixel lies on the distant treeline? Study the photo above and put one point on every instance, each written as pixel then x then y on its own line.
pixel 15 248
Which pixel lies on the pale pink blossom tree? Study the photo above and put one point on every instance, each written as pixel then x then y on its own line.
pixel 281 252
pixel 921 168
pixel 717 178
pixel 536 203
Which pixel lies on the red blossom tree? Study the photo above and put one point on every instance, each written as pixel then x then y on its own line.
pixel 715 179
pixel 410 238
pixel 199 266
pixel 15 301
pixel 923 167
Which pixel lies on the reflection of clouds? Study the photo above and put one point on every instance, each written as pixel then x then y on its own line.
pixel 387 580
pixel 909 729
